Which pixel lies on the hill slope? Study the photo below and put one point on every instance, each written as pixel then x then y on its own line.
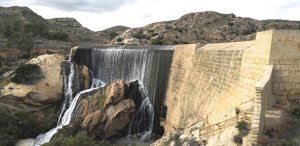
pixel 203 27
pixel 76 32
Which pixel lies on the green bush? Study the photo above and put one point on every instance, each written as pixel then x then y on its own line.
pixel 119 39
pixel 159 42
pixel 112 35
pixel 58 35
pixel 238 139
pixel 25 44
pixel 296 113
pixel 242 126
pixel 80 139
pixel 27 74
pixel 37 29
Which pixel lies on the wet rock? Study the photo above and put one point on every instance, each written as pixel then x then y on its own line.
pixel 106 112
pixel 115 93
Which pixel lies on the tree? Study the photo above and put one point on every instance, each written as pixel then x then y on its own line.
pixel 58 35
pixel 37 29
pixel 25 44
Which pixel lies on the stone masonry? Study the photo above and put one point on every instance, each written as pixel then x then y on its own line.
pixel 207 83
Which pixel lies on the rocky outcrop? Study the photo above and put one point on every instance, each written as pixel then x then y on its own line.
pixel 103 113
pixel 108 110
pixel 201 27
pixel 46 90
pixel 30 109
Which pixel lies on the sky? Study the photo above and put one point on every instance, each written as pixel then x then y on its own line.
pixel 101 14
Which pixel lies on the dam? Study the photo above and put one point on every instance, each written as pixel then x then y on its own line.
pixel 191 83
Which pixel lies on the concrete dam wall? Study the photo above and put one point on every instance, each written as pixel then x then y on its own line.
pixel 206 84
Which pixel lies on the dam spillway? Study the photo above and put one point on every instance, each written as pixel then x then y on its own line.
pixel 148 64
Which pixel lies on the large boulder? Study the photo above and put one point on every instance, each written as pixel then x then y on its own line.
pixel 45 90
pixel 106 111
pixel 103 113
pixel 29 100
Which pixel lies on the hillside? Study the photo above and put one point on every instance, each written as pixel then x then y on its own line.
pixel 76 32
pixel 201 27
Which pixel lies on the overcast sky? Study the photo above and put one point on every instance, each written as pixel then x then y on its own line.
pixel 100 14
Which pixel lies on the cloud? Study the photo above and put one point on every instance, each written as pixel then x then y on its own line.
pixel 97 6
pixel 101 14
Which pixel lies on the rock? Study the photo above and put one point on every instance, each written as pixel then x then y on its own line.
pixel 47 89
pixel 81 79
pixel 115 93
pixel 28 110
pixel 191 142
pixel 118 117
pixel 86 77
pixel 106 112
pixel 173 143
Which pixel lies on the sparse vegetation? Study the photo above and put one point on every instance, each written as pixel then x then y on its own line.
pixel 159 42
pixel 237 111
pixel 25 44
pixel 119 40
pixel 296 113
pixel 80 139
pixel 175 138
pixel 27 74
pixel 58 35
pixel 37 29
pixel 112 35
pixel 243 129
pixel 141 35
pixel 101 101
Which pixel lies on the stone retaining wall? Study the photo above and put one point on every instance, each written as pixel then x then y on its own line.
pixel 206 84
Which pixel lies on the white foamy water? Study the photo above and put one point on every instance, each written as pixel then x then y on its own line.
pixel 67 115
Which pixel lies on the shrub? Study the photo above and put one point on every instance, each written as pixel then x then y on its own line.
pixel 119 39
pixel 296 113
pixel 242 126
pixel 237 111
pixel 37 29
pixel 112 35
pixel 58 35
pixel 158 42
pixel 141 35
pixel 238 139
pixel 27 74
pixel 25 43
pixel 80 139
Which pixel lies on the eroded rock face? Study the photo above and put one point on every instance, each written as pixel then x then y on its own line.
pixel 46 90
pixel 107 111
pixel 28 110
pixel 103 113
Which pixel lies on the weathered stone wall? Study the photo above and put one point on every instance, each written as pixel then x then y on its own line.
pixel 207 84
pixel 285 55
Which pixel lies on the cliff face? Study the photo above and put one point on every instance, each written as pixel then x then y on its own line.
pixel 202 27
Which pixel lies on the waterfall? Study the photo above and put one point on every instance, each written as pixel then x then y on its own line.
pixel 68 92
pixel 117 63
pixel 65 117
pixel 129 64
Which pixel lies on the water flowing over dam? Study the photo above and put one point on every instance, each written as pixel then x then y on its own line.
pixel 147 64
